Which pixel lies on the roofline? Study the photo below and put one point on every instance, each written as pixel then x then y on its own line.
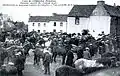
pixel 114 16
pixel 78 5
pixel 80 16
pixel 46 21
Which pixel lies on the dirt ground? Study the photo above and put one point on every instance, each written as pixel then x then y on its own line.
pixel 35 70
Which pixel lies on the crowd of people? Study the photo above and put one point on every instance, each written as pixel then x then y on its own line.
pixel 15 47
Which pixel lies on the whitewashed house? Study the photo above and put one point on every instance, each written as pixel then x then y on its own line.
pixel 42 24
pixel 95 18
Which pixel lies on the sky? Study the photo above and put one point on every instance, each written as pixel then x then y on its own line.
pixel 21 13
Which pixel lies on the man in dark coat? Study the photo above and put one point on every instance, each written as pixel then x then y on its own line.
pixel 70 57
pixel 92 50
pixel 46 62
pixel 19 63
pixel 79 52
pixel 3 54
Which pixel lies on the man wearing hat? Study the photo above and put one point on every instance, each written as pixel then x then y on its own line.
pixel 86 53
pixel 19 63
pixel 70 57
pixel 79 52
pixel 47 60
pixel 92 50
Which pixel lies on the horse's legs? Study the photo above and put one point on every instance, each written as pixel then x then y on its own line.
pixel 44 45
pixel 54 57
pixel 63 59
pixel 8 58
pixel 27 52
pixel 35 59
pixel 38 60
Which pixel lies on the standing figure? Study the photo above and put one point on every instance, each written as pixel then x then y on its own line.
pixel 19 63
pixel 46 62
pixel 79 52
pixel 86 53
pixel 70 57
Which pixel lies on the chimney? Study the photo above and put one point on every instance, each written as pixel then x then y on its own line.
pixel 54 14
pixel 100 2
pixel 114 5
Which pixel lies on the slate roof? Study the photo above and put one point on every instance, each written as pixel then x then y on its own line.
pixel 48 18
pixel 39 18
pixel 112 10
pixel 81 10
pixel 86 10
pixel 118 7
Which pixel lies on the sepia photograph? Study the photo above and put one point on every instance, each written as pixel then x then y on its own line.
pixel 59 38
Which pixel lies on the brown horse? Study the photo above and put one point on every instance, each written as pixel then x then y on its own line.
pixel 59 50
pixel 38 54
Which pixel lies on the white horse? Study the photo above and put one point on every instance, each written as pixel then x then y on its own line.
pixel 80 63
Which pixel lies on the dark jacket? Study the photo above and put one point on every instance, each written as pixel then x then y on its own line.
pixel 19 63
pixel 47 59
pixel 79 53
pixel 70 58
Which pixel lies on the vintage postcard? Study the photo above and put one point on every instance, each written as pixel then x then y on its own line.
pixel 59 37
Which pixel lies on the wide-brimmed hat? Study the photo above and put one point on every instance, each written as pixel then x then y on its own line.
pixel 90 44
pixel 11 63
pixel 4 65
pixel 87 48
pixel 19 53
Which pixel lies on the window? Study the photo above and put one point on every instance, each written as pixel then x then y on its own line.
pixel 61 24
pixel 61 31
pixel 44 31
pixel 54 30
pixel 54 23
pixel 44 24
pixel 38 24
pixel 77 20
pixel 33 24
pixel 0 22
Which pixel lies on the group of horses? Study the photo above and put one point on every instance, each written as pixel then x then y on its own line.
pixel 59 46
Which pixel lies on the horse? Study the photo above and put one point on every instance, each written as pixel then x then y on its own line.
pixel 27 46
pixel 41 41
pixel 38 54
pixel 59 50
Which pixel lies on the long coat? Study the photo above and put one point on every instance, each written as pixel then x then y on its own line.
pixel 70 58
pixel 19 63
pixel 79 53
pixel 47 59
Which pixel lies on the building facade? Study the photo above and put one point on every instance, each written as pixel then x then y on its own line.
pixel 42 24
pixel 95 18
